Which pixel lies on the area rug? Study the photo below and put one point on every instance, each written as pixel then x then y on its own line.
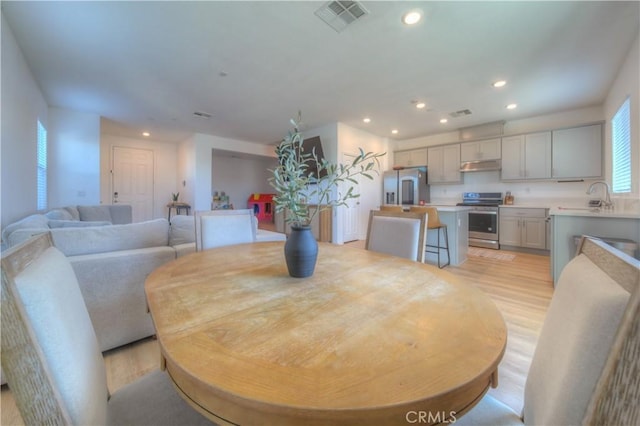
pixel 491 254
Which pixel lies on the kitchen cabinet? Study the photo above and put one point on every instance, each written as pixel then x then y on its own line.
pixel 523 227
pixel 480 150
pixel 444 164
pixel 566 224
pixel 526 156
pixel 411 158
pixel 577 152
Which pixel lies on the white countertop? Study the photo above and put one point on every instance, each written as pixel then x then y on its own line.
pixel 523 206
pixel 445 207
pixel 587 212
pixel 442 208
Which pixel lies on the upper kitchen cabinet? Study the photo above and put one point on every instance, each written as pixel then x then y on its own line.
pixel 444 164
pixel 526 156
pixel 577 152
pixel 411 158
pixel 480 150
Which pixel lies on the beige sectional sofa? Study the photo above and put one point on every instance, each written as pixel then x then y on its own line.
pixel 112 258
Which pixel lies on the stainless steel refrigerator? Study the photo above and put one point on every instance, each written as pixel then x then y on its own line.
pixel 408 186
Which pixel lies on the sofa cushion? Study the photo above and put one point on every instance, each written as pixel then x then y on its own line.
pixel 184 249
pixel 59 214
pixel 95 213
pixel 112 285
pixel 73 211
pixel 75 224
pixel 35 221
pixel 120 213
pixel 183 230
pixel 102 239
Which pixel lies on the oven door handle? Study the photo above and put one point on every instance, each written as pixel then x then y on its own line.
pixel 483 212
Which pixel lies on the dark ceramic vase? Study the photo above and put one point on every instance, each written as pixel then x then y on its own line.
pixel 301 252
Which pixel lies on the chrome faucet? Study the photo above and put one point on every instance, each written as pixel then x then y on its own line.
pixel 607 190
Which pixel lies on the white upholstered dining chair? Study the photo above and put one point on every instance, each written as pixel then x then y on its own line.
pixel 586 362
pixel 50 353
pixel 217 228
pixel 400 234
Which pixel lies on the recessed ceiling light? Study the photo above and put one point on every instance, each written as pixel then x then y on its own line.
pixel 512 106
pixel 443 120
pixel 420 105
pixel 146 134
pixel 366 120
pixel 499 83
pixel 412 18
pixel 394 131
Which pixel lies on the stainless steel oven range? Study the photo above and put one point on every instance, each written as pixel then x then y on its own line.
pixel 483 218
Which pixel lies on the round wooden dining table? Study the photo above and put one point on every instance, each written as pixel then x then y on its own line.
pixel 368 339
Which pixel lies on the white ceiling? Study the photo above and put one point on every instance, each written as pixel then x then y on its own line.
pixel 151 65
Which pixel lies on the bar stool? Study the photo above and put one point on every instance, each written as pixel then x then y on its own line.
pixel 433 222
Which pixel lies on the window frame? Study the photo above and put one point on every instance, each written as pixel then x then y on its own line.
pixel 42 200
pixel 621 167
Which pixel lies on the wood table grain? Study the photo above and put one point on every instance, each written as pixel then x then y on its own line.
pixel 368 339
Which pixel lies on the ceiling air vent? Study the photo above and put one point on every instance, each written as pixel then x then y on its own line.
pixel 202 114
pixel 339 14
pixel 460 113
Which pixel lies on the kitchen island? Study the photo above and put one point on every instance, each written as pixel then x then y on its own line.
pixel 457 220
pixel 569 222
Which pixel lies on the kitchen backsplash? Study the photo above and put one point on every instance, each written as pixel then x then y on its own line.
pixel 542 193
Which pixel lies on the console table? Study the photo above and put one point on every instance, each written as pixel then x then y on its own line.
pixel 179 208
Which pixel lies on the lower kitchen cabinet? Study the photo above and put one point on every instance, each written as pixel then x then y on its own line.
pixel 523 227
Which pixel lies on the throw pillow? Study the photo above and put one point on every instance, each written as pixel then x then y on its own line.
pixel 58 214
pixel 94 213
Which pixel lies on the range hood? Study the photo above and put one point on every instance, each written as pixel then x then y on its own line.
pixel 480 165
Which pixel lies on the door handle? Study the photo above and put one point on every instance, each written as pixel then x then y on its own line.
pixel 115 198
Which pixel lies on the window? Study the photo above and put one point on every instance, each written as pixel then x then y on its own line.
pixel 621 149
pixel 42 167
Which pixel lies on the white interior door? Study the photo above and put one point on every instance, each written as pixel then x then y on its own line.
pixel 132 175
pixel 351 213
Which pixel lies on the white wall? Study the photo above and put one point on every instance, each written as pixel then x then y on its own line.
pixel 349 141
pixel 196 165
pixel 186 171
pixel 626 84
pixel 337 140
pixel 74 158
pixel 22 105
pixel 239 177
pixel 165 173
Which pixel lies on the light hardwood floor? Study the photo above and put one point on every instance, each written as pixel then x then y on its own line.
pixel 521 288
